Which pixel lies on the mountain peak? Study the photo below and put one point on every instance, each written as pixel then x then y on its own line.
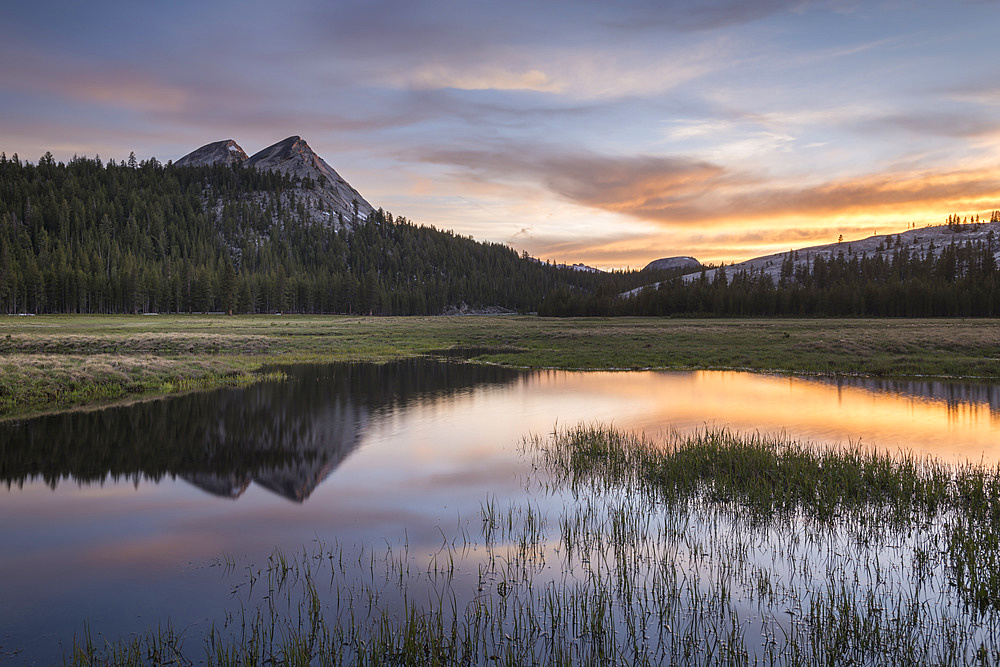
pixel 293 156
pixel 287 155
pixel 218 152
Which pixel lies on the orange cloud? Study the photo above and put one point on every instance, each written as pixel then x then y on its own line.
pixel 684 191
pixel 900 193
pixel 658 191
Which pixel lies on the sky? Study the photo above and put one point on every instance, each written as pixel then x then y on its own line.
pixel 608 132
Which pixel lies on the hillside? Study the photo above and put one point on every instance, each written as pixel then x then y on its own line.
pixel 226 152
pixel 685 264
pixel 920 241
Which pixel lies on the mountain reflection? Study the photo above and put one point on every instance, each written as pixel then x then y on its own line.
pixel 284 436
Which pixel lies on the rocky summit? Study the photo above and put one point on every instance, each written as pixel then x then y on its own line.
pixel 219 152
pixel 293 156
pixel 329 196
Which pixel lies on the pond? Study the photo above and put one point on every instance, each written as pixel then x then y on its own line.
pixel 125 517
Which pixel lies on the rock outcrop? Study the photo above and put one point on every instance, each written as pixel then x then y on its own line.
pixel 328 196
pixel 687 264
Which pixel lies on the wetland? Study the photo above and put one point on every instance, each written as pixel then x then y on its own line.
pixel 436 512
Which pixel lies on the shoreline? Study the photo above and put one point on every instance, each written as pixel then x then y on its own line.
pixel 52 363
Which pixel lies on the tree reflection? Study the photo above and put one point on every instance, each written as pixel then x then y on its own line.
pixel 284 436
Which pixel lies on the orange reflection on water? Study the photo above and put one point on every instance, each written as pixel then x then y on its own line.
pixel 954 422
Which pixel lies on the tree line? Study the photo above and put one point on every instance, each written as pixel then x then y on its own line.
pixel 131 237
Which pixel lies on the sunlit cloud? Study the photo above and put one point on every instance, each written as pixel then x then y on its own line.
pixel 681 190
pixel 571 73
pixel 900 193
pixel 490 78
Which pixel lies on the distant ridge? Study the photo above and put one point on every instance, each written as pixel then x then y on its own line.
pixel 917 240
pixel 920 240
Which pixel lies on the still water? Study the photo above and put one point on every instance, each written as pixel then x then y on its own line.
pixel 121 517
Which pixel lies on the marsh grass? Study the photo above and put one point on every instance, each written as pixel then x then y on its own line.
pixel 767 476
pixel 713 548
pixel 769 480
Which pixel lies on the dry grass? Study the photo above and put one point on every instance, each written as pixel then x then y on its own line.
pixel 31 383
pixel 160 343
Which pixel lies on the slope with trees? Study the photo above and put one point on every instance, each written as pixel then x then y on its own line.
pixel 89 237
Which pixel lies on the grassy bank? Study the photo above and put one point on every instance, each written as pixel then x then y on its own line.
pixel 714 548
pixel 149 355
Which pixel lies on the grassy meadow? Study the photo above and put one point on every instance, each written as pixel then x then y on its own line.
pixel 66 361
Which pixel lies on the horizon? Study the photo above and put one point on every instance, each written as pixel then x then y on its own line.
pixel 578 132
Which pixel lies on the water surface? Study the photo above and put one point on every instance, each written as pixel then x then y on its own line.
pixel 121 516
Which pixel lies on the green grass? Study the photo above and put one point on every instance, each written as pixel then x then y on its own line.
pixel 768 477
pixel 214 349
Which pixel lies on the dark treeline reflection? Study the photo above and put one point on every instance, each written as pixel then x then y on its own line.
pixel 285 436
pixel 954 394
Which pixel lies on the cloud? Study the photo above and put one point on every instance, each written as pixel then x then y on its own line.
pixel 621 184
pixel 687 191
pixel 391 27
pixel 695 15
pixel 985 92
pixel 566 73
pixel 874 193
pixel 938 124
pixel 483 78
pixel 115 86
pixel 635 186
pixel 566 48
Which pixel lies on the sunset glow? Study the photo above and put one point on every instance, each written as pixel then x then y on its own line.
pixel 605 133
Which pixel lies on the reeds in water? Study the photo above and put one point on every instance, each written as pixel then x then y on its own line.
pixel 711 548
